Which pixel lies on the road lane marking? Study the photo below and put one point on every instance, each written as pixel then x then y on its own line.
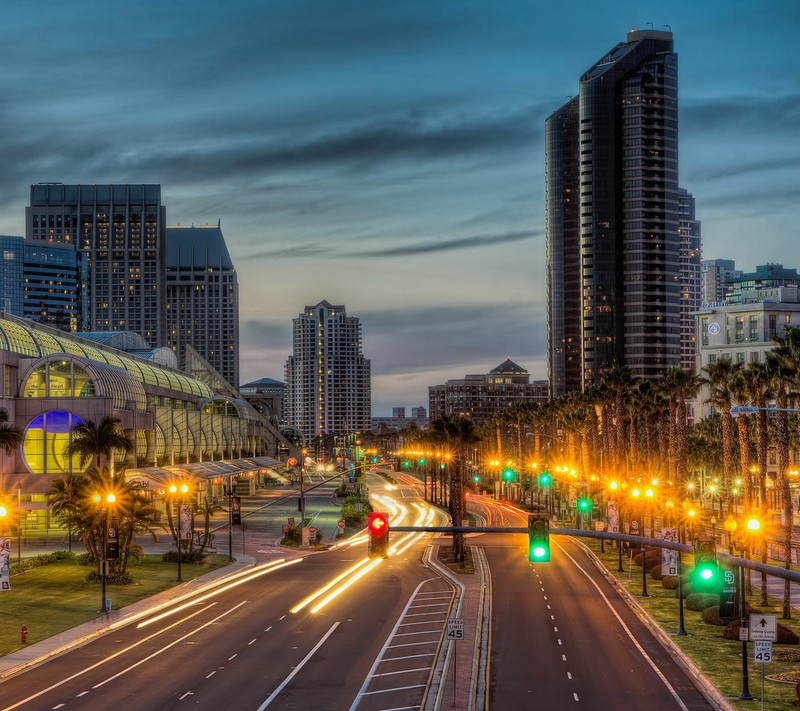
pixel 103 661
pixel 208 676
pixel 171 644
pixel 291 676
pixel 628 632
pixel 230 659
pixel 397 688
pixel 576 696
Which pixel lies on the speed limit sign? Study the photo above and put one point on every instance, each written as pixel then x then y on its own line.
pixel 762 652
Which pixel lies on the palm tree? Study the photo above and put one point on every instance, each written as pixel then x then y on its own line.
pixel 65 501
pixel 90 440
pixel 459 435
pixel 619 382
pixel 10 441
pixel 718 378
pixel 681 385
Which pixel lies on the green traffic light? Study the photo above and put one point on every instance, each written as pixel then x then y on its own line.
pixel 405 463
pixel 584 504
pixel 538 552
pixel 706 573
pixel 476 478
pixel 544 479
pixel 509 475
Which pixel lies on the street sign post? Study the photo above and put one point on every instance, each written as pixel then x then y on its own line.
pixel 455 628
pixel 762 652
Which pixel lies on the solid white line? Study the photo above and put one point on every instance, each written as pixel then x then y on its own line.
pixel 628 632
pixel 291 676
pixel 408 656
pixel 170 645
pixel 402 671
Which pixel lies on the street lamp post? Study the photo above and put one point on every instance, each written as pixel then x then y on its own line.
pixel 636 494
pixel 174 489
pixel 303 453
pixel 104 511
pixel 230 492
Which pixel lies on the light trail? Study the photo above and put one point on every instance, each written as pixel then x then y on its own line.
pixel 269 568
pixel 338 591
pixel 321 591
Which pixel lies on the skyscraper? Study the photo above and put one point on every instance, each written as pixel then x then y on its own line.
pixel 120 231
pixel 328 379
pixel 690 277
pixel 613 243
pixel 202 298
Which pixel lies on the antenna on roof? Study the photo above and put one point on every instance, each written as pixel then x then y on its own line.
pixel 651 25
pixel 669 27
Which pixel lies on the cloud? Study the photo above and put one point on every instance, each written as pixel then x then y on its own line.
pixel 450 245
pixel 743 115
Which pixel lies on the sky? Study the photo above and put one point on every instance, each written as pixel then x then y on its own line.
pixel 388 156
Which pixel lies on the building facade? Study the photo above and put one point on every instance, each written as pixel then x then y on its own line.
pixel 715 275
pixel 481 397
pixel 328 379
pixel 613 242
pixel 120 231
pixel 179 425
pixel 202 298
pixel 690 277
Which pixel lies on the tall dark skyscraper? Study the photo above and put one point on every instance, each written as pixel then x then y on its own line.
pixel 120 232
pixel 613 243
pixel 203 298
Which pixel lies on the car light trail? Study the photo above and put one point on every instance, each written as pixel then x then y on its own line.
pixel 251 575
pixel 321 591
pixel 338 591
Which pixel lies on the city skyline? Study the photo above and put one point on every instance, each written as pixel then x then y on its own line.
pixel 388 158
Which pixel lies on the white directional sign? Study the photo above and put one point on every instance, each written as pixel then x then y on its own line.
pixel 763 628
pixel 762 652
pixel 455 628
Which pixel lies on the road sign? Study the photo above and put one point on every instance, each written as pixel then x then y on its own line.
pixel 762 652
pixel 763 628
pixel 455 628
pixel 291 461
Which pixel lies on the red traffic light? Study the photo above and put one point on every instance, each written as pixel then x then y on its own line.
pixel 378 523
pixel 378 528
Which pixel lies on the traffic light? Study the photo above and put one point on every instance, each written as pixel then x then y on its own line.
pixel 584 505
pixel 476 478
pixel 538 538
pixel 509 475
pixel 545 479
pixel 378 530
pixel 706 576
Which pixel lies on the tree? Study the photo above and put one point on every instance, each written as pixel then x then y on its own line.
pixel 459 435
pixel 101 441
pixel 681 385
pixel 718 377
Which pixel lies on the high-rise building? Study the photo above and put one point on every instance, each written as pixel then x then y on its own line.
pixel 120 232
pixel 202 298
pixel 690 276
pixel 41 281
pixel 328 379
pixel 613 243
pixel 715 277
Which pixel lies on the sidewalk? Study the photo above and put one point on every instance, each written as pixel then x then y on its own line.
pixel 462 682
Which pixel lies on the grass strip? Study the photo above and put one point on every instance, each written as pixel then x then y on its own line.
pixel 53 598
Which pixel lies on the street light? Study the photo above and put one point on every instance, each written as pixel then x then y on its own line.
pixel 636 494
pixel 174 490
pixel 104 503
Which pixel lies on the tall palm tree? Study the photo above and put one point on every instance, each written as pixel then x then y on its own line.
pixel 619 382
pixel 459 435
pixel 10 441
pixel 92 440
pixel 718 377
pixel 682 385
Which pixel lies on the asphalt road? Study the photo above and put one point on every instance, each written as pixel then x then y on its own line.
pixel 242 648
pixel 563 638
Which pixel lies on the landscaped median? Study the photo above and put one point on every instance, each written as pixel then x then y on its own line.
pixel 719 659
pixel 51 598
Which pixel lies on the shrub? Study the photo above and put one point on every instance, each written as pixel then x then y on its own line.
pixel 655 572
pixel 186 557
pixel 38 561
pixel 711 616
pixel 117 577
pixel 700 601
pixel 669 582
